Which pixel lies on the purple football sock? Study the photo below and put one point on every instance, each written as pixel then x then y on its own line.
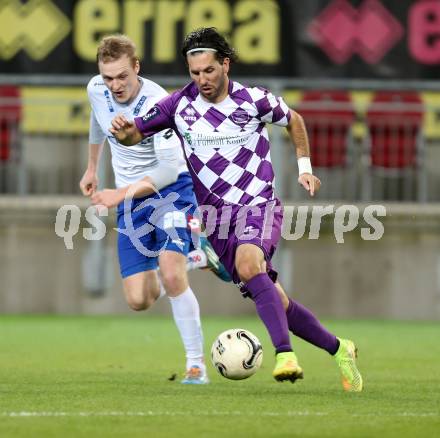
pixel 270 310
pixel 304 324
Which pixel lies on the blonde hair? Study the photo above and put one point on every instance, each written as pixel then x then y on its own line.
pixel 113 47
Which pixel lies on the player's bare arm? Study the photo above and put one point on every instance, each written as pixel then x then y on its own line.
pixel 112 197
pixel 89 181
pixel 125 131
pixel 298 134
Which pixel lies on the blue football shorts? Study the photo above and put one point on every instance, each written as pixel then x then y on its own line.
pixel 153 224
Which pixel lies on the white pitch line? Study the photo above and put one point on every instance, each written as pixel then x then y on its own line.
pixel 154 414
pixel 24 414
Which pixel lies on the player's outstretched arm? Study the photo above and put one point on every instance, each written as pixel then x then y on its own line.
pixel 298 134
pixel 160 177
pixel 113 197
pixel 125 131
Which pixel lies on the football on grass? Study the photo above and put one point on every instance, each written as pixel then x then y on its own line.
pixel 237 354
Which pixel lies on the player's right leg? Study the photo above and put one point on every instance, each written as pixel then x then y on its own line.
pixel 141 283
pixel 140 280
pixel 142 289
pixel 287 367
pixel 251 268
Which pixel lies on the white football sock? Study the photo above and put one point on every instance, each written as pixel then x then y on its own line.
pixel 186 314
pixel 196 259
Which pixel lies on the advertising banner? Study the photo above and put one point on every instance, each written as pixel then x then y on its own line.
pixel 291 38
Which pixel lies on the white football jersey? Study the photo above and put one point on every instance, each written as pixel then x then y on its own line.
pixel 130 164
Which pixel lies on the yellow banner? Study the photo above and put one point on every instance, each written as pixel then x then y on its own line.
pixel 432 116
pixel 55 110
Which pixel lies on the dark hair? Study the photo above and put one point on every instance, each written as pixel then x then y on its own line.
pixel 209 37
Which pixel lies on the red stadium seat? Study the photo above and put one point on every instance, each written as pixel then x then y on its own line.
pixel 394 144
pixel 328 116
pixel 10 115
pixel 394 122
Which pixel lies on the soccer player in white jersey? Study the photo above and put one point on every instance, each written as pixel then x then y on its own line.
pixel 156 164
pixel 222 125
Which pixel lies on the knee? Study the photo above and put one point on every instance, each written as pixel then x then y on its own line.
pixel 248 269
pixel 174 281
pixel 138 305
pixel 138 300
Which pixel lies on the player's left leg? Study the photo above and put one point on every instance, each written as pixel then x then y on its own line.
pixel 304 324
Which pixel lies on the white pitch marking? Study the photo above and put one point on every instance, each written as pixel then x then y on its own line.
pixel 206 414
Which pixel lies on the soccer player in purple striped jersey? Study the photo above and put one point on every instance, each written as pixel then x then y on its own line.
pixel 222 126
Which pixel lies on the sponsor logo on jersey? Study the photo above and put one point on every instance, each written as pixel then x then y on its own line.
pixel 109 102
pixel 147 142
pixel 190 115
pixel 168 134
pixel 138 107
pixel 152 114
pixel 187 137
pixel 215 141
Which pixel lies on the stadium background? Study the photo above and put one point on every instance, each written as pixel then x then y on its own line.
pixel 339 63
pixel 75 362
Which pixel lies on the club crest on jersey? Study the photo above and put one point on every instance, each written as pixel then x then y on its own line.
pixel 240 117
pixel 109 102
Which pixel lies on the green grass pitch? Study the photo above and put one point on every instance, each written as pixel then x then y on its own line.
pixel 108 376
